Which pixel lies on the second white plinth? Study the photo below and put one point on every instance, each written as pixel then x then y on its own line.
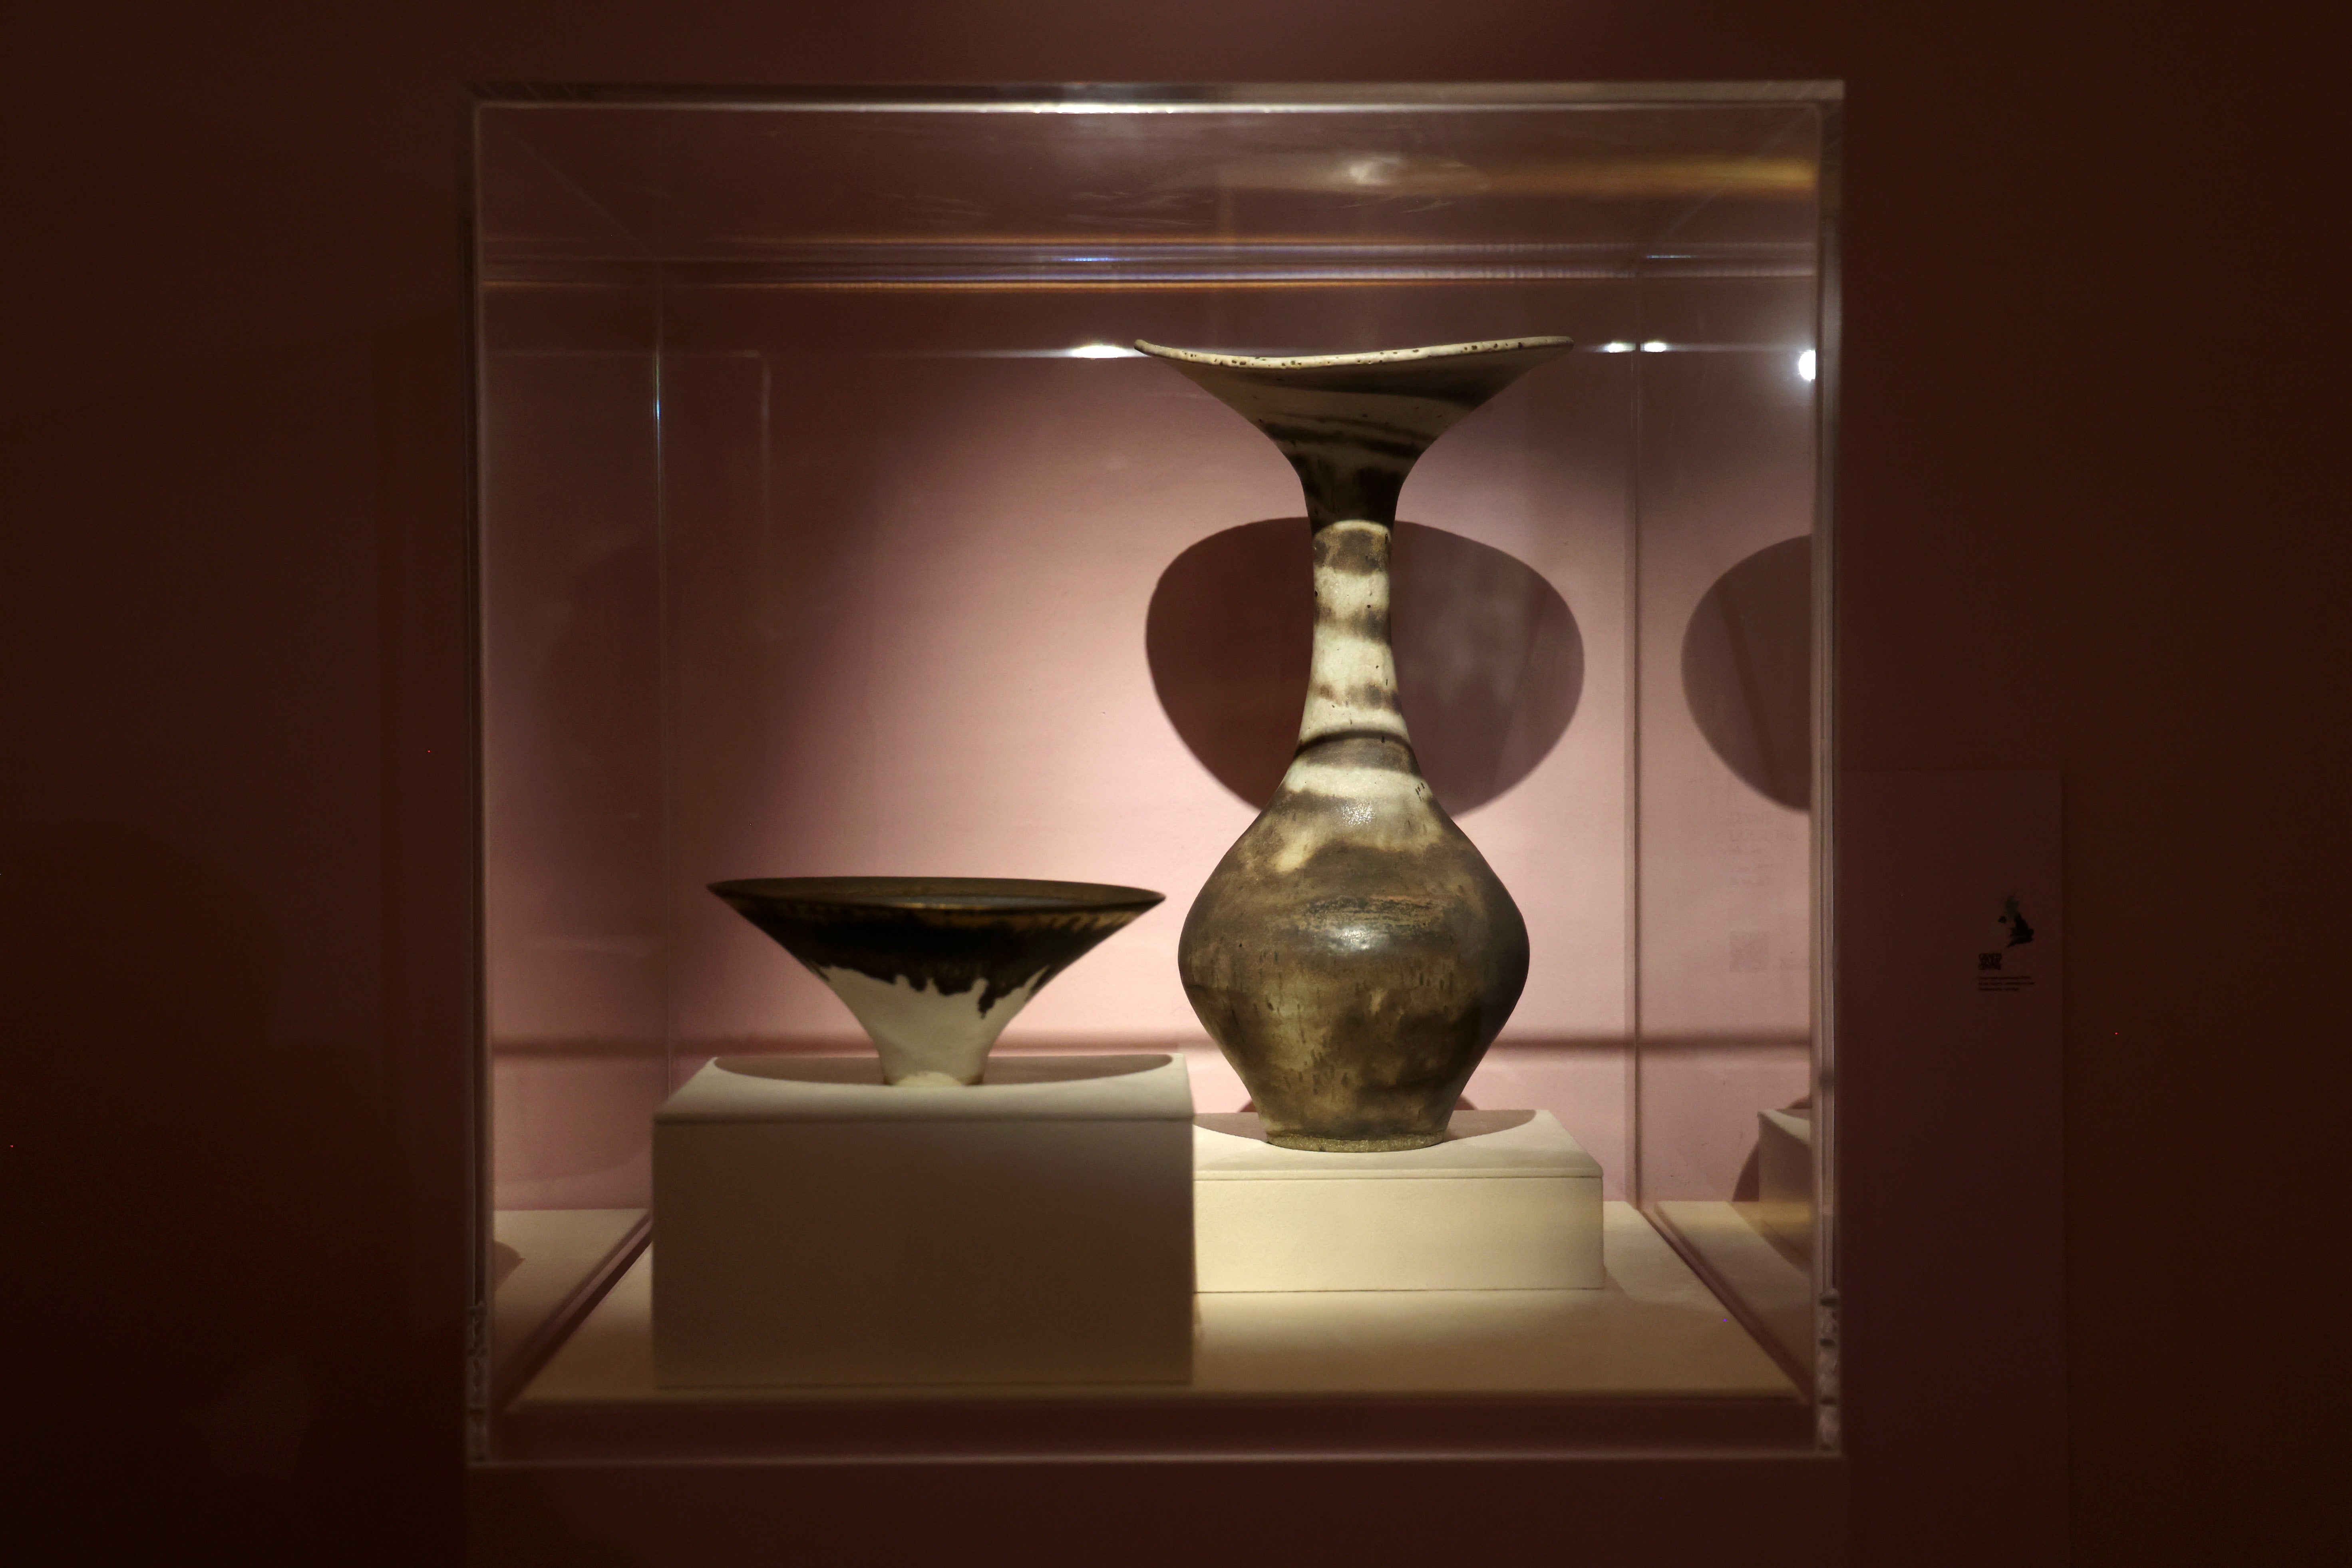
pixel 1509 1202
pixel 817 1227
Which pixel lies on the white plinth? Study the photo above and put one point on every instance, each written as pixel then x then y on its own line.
pixel 1509 1202
pixel 1784 1176
pixel 817 1227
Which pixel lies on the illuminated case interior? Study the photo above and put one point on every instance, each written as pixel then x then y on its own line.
pixel 826 525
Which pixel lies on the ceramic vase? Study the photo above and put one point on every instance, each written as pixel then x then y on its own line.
pixel 1353 954
pixel 934 967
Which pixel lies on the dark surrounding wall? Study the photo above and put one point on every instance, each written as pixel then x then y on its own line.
pixel 2089 523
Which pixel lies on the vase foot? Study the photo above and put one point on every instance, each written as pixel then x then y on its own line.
pixel 930 1080
pixel 1355 1145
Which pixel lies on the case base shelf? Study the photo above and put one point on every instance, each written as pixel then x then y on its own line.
pixel 1650 1359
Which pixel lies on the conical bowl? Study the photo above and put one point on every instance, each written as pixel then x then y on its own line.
pixel 934 967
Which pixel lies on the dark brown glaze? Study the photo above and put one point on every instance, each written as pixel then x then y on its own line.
pixel 947 934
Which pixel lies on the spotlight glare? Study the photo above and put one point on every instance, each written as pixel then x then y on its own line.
pixel 1806 365
pixel 1616 348
pixel 1101 350
pixel 1655 346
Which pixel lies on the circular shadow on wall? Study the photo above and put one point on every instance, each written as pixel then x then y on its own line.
pixel 1747 661
pixel 1490 663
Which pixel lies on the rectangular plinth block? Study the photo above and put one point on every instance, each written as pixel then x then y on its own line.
pixel 1509 1202
pixel 1784 1175
pixel 817 1227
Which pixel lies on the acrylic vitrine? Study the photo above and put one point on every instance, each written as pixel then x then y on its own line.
pixel 828 523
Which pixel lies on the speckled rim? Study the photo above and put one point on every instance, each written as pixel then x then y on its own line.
pixel 953 895
pixel 1374 356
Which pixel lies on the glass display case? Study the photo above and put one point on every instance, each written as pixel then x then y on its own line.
pixel 829 523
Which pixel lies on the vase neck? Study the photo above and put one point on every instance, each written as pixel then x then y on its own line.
pixel 1351 679
pixel 1352 427
pixel 1344 481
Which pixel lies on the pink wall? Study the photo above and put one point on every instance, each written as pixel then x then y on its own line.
pixel 979 702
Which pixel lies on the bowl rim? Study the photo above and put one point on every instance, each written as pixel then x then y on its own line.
pixel 946 895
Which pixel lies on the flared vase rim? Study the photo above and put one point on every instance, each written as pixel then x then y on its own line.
pixel 1368 357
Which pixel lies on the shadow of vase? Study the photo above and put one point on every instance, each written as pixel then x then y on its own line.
pixel 1490 661
pixel 1747 661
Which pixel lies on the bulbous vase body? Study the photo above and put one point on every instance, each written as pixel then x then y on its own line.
pixel 1353 954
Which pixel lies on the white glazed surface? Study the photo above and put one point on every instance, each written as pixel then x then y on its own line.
pixel 929 1039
